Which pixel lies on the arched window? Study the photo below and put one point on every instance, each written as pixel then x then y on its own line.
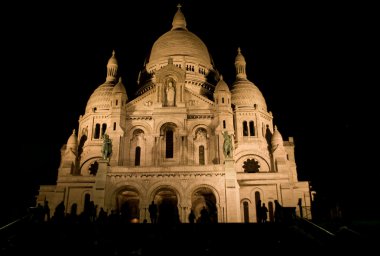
pixel 222 99
pixel 201 155
pixel 97 131
pixel 246 212
pixel 251 128
pixel 114 126
pixel 104 128
pixel 245 128
pixel 87 200
pixel 137 156
pixel 258 206
pixel 169 144
pixel 224 124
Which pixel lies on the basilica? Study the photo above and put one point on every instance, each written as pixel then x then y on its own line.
pixel 186 141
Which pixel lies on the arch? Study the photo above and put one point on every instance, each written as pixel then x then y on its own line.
pixel 204 205
pixel 163 123
pixel 170 143
pixel 86 164
pixel 246 211
pixel 145 127
pixel 194 187
pixel 167 199
pixel 163 186
pixel 194 129
pixel 123 185
pixel 200 146
pixel 128 204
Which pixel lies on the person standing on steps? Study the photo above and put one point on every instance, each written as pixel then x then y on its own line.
pixel 264 213
pixel 153 212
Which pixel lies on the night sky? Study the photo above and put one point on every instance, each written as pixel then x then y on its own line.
pixel 310 61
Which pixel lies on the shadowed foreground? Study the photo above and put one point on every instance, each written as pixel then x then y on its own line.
pixel 298 238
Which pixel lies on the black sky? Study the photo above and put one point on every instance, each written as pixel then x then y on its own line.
pixel 310 61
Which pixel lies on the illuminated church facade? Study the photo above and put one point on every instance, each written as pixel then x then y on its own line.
pixel 167 144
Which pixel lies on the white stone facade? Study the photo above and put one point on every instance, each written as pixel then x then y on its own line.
pixel 167 143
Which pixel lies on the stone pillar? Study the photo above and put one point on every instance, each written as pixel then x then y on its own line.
pixel 232 210
pixel 100 183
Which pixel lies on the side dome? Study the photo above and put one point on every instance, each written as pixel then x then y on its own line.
pixel 276 138
pixel 100 99
pixel 73 140
pixel 221 86
pixel 244 93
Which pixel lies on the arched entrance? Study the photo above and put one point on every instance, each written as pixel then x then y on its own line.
pixel 203 201
pixel 167 202
pixel 128 206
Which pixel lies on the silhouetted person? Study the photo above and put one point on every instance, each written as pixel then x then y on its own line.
pixel 102 216
pixel 153 212
pixel 46 211
pixel 277 211
pixel 59 213
pixel 205 217
pixel 191 217
pixel 264 213
pixel 300 207
pixel 39 213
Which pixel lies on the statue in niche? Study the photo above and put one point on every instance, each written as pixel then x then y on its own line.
pixel 170 94
pixel 227 145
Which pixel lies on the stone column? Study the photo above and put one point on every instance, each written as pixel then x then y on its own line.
pixel 232 211
pixel 100 183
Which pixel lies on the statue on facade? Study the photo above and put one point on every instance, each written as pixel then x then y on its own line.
pixel 227 145
pixel 170 94
pixel 106 147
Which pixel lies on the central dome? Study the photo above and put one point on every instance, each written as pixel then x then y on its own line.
pixel 180 44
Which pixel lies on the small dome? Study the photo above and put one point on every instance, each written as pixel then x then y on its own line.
pixel 100 99
pixel 72 142
pixel 244 93
pixel 276 138
pixel 221 86
pixel 119 87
